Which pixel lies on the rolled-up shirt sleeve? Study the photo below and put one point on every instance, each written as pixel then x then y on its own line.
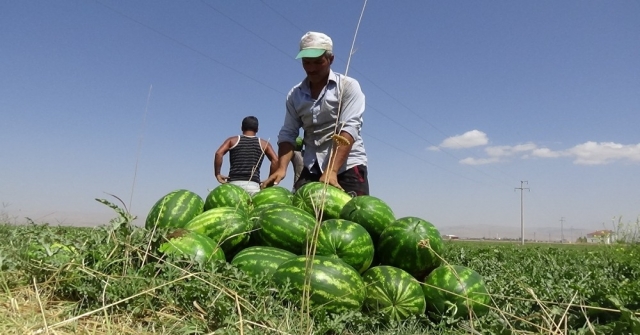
pixel 292 123
pixel 353 104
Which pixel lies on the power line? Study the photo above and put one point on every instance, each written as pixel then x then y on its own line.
pixel 283 93
pixel 189 47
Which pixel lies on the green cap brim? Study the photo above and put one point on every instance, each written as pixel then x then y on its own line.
pixel 310 53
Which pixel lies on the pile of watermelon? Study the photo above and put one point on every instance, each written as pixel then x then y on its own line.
pixel 349 253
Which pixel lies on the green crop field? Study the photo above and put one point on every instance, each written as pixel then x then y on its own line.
pixel 109 280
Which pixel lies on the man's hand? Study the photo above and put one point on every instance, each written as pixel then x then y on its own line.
pixel 222 179
pixel 274 178
pixel 331 177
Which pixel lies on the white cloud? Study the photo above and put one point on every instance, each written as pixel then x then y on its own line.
pixel 479 161
pixel 594 153
pixel 506 150
pixel 469 139
pixel 545 153
pixel 588 153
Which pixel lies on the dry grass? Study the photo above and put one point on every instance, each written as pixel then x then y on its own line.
pixel 27 311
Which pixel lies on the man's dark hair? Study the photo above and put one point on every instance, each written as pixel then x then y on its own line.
pixel 250 123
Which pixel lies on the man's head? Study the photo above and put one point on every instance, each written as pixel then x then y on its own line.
pixel 250 123
pixel 316 51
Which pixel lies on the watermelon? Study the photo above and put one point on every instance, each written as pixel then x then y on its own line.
pixel 412 244
pixel 196 246
pixel 227 226
pixel 254 215
pixel 370 212
pixel 333 284
pixel 174 210
pixel 260 260
pixel 272 195
pixel 393 292
pixel 455 290
pixel 285 227
pixel 227 195
pixel 317 195
pixel 346 240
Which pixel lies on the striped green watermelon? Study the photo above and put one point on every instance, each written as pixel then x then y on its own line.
pixel 393 292
pixel 328 200
pixel 455 290
pixel 370 212
pixel 174 210
pixel 346 240
pixel 196 246
pixel 285 227
pixel 254 215
pixel 412 244
pixel 260 260
pixel 334 285
pixel 272 195
pixel 227 195
pixel 227 226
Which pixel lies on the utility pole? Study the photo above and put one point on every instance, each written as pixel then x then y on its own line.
pixel 521 188
pixel 562 229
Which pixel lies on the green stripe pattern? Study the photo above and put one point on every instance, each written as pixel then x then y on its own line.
pixel 196 246
pixel 412 244
pixel 228 227
pixel 370 212
pixel 393 293
pixel 452 289
pixel 227 195
pixel 272 195
pixel 346 240
pixel 174 210
pixel 285 227
pixel 333 285
pixel 260 260
pixel 318 196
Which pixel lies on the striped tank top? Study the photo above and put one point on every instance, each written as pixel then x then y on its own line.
pixel 245 159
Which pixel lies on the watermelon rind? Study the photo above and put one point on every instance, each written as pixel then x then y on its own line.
pixel 346 240
pixel 196 246
pixel 412 244
pixel 285 227
pixel 174 210
pixel 393 293
pixel 321 200
pixel 272 195
pixel 454 291
pixel 227 195
pixel 334 286
pixel 227 226
pixel 370 212
pixel 260 260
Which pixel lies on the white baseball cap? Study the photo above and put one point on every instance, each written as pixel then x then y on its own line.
pixel 314 45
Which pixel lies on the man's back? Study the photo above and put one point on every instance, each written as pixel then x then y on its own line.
pixel 245 159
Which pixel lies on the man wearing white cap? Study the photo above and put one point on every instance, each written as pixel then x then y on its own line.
pixel 313 105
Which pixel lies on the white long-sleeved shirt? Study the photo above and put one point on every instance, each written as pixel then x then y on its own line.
pixel 318 119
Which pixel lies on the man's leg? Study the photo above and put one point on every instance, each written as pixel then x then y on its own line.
pixel 307 176
pixel 355 181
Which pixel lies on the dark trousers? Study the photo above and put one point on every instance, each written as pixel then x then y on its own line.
pixel 354 180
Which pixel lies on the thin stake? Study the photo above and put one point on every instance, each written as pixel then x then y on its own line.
pixel 144 122
pixel 44 318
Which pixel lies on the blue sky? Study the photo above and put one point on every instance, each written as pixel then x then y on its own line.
pixel 465 99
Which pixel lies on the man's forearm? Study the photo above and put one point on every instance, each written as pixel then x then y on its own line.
pixel 285 153
pixel 217 164
pixel 341 153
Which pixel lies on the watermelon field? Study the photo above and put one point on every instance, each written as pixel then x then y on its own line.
pixel 313 262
